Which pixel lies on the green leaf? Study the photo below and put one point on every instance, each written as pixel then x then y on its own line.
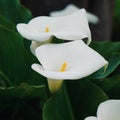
pixel 12 62
pixel 14 11
pixel 32 77
pixel 111 86
pixel 6 23
pixel 58 107
pixel 15 67
pixel 106 48
pixel 84 97
pixel 113 64
pixel 24 91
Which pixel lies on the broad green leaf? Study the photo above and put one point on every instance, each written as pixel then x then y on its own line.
pixel 4 22
pixel 113 64
pixel 24 91
pixel 111 86
pixel 58 107
pixel 14 11
pixel 84 97
pixel 106 48
pixel 12 62
pixel 31 76
pixel 15 65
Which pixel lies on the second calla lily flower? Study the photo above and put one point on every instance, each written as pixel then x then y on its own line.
pixel 70 27
pixel 72 8
pixel 108 110
pixel 72 60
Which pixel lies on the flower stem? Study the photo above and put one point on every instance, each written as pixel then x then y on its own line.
pixel 54 85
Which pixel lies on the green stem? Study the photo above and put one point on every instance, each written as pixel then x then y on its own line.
pixel 54 85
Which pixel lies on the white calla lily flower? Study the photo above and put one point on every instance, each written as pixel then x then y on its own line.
pixel 72 60
pixel 70 27
pixel 108 110
pixel 35 44
pixel 91 118
pixel 72 8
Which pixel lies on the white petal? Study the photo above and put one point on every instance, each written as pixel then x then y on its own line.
pixel 34 45
pixel 92 18
pixel 31 33
pixel 109 110
pixel 67 10
pixel 91 118
pixel 70 27
pixel 72 8
pixel 81 60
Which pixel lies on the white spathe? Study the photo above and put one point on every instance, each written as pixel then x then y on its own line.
pixel 108 110
pixel 35 44
pixel 91 118
pixel 70 27
pixel 72 8
pixel 81 60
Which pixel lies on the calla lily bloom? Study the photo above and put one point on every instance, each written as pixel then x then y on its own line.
pixel 71 60
pixel 108 110
pixel 72 8
pixel 35 44
pixel 70 27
